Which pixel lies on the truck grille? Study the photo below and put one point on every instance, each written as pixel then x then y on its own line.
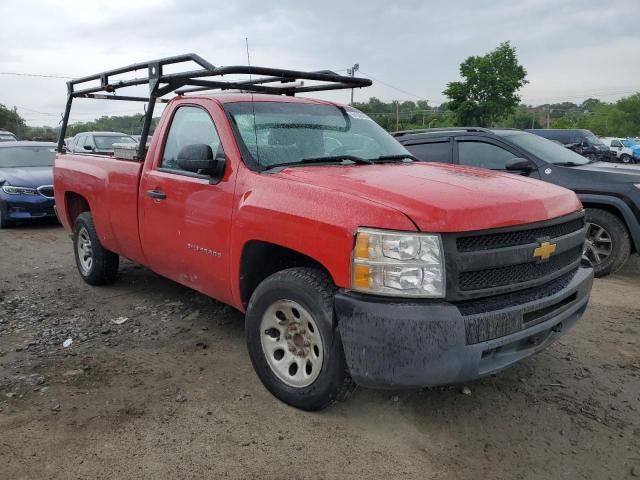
pixel 522 272
pixel 522 237
pixel 498 261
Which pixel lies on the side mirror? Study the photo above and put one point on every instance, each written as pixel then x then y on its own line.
pixel 519 165
pixel 198 158
pixel 88 147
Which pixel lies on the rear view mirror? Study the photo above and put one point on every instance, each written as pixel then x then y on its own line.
pixel 519 165
pixel 198 158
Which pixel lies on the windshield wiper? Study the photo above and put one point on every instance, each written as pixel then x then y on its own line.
pixel 392 158
pixel 328 159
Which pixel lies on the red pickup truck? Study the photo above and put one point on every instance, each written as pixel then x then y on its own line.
pixel 350 259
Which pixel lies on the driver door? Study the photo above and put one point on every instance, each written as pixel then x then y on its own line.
pixel 185 219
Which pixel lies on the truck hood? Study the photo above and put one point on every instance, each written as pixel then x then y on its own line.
pixel 32 177
pixel 445 198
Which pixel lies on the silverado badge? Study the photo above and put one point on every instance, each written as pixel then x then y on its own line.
pixel 544 251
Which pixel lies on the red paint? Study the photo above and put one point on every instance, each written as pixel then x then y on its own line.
pixel 196 236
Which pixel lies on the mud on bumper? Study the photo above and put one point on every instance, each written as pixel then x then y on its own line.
pixel 403 344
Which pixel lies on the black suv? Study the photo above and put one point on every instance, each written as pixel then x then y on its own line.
pixel 579 140
pixel 609 192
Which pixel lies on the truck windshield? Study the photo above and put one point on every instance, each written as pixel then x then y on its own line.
pixel 106 142
pixel 544 149
pixel 279 133
pixel 26 157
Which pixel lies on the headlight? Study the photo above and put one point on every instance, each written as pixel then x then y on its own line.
pixel 398 264
pixel 11 190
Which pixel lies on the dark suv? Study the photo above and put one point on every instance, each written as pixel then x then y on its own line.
pixel 581 141
pixel 609 192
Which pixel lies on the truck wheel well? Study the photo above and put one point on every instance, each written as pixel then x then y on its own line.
pixel 614 211
pixel 76 204
pixel 262 259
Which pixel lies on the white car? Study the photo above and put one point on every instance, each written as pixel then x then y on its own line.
pixel 623 151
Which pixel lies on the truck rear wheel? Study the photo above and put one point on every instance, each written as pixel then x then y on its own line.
pixel 608 245
pixel 293 340
pixel 96 264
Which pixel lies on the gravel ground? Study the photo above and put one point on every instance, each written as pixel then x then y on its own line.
pixel 157 384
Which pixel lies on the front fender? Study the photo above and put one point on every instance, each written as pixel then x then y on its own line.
pixel 310 219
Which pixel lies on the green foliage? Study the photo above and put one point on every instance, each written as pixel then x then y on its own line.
pixel 131 124
pixel 405 115
pixel 488 92
pixel 12 121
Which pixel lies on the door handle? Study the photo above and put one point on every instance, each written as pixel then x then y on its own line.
pixel 156 194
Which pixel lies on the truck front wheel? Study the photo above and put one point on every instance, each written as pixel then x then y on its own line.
pixel 293 339
pixel 96 264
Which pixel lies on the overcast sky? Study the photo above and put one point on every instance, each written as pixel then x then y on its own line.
pixel 572 49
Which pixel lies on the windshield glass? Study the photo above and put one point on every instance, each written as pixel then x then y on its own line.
pixel 287 133
pixel 591 139
pixel 544 149
pixel 6 137
pixel 27 157
pixel 106 142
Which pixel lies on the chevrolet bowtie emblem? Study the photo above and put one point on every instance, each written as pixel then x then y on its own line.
pixel 544 251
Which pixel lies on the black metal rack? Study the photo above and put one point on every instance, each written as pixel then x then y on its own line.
pixel 273 81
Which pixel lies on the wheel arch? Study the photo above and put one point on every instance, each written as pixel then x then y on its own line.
pixel 75 204
pixel 260 259
pixel 618 208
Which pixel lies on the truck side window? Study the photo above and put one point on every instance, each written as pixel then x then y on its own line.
pixel 483 155
pixel 431 152
pixel 616 143
pixel 190 126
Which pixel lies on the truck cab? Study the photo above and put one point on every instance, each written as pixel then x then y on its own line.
pixel 351 261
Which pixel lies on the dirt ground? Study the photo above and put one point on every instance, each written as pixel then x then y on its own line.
pixel 170 393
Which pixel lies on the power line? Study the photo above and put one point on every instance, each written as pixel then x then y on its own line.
pixel 39 75
pixel 421 97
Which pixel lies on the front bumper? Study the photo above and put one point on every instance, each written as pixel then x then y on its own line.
pixel 404 344
pixel 25 207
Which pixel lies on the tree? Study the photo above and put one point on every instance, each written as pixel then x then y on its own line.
pixel 489 89
pixel 11 120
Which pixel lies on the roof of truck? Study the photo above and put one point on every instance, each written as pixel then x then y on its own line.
pixel 256 97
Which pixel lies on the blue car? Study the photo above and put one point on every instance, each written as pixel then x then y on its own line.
pixel 26 181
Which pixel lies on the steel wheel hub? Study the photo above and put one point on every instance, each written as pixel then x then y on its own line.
pixel 85 250
pixel 598 245
pixel 291 343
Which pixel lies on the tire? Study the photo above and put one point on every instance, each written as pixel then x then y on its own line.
pixel 4 217
pixel 604 229
pixel 271 315
pixel 96 264
pixel 626 158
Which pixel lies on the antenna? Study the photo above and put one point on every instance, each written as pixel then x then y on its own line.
pixel 253 106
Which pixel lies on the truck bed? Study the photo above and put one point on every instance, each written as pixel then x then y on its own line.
pixel 110 188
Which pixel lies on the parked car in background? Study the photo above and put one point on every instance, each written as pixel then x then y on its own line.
pixel 626 150
pixel 26 181
pixel 99 142
pixel 7 136
pixel 581 141
pixel 609 192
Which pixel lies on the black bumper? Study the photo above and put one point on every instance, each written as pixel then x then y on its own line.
pixel 404 344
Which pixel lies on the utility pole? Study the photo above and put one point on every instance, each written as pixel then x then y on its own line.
pixel 548 114
pixel 352 72
pixel 397 115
